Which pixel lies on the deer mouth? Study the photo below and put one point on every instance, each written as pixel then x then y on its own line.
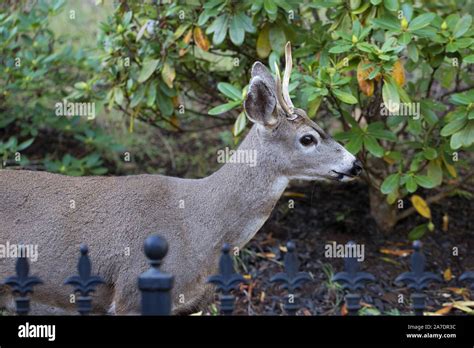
pixel 342 176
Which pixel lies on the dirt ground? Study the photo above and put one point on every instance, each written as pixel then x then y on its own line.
pixel 324 213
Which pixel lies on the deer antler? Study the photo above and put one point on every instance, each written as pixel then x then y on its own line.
pixel 282 92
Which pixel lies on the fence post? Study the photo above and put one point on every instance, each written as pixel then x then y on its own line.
pixel 84 283
pixel 417 279
pixel 22 283
pixel 468 277
pixel 226 281
pixel 154 284
pixel 292 279
pixel 352 279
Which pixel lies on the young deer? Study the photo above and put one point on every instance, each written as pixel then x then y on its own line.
pixel 114 215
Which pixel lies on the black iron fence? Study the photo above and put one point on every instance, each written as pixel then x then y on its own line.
pixel 156 286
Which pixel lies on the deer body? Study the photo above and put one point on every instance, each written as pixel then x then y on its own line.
pixel 114 215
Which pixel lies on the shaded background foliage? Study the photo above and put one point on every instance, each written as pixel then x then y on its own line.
pixel 168 80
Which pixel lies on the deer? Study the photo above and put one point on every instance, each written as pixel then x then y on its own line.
pixel 113 215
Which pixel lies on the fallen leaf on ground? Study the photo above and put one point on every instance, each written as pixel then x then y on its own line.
pixel 448 274
pixel 396 252
pixel 462 305
pixel 344 310
pixel 444 310
pixel 266 255
pixel 386 259
pixel 445 226
pixel 464 292
pixel 294 194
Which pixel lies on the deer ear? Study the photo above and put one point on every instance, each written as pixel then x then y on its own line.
pixel 260 103
pixel 258 69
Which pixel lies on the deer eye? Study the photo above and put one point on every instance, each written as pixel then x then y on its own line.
pixel 307 140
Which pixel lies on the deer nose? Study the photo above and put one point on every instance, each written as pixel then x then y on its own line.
pixel 356 168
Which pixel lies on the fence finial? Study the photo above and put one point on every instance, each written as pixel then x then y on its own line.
pixel 418 279
pixel 352 279
pixel 154 284
pixel 291 279
pixel 468 277
pixel 22 283
pixel 84 283
pixel 226 281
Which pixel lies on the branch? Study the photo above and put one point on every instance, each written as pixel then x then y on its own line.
pixel 457 90
pixel 437 197
pixel 431 82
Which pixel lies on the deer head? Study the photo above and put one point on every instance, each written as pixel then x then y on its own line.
pixel 303 149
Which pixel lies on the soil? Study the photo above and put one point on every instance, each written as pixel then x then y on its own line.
pixel 324 213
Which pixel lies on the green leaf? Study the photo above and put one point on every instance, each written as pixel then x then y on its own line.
pixel 405 39
pixel 224 108
pixel 421 21
pixel 411 184
pixel 246 22
pixel 236 31
pixel 417 232
pixel 412 52
pixel 219 26
pixel 424 181
pixel 435 173
pixel 270 7
pixel 373 146
pixel 148 67
pixel 428 114
pixel 407 10
pixel 203 18
pixel 382 134
pixel 390 96
pixel 137 96
pixel 391 5
pixel 180 31
pixel 229 91
pixel 463 138
pixel 355 144
pixel 340 48
pixel 118 95
pixel 344 96
pixel 277 39
pixel 80 85
pixel 469 59
pixel 390 183
pixel 462 98
pixel 462 26
pixel 388 23
pixel 25 144
pixel 239 124
pixel 263 42
pixel 168 74
pixel 452 127
pixel 164 103
pixel 430 153
pixel 151 95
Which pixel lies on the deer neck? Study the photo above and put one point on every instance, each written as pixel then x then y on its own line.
pixel 244 194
